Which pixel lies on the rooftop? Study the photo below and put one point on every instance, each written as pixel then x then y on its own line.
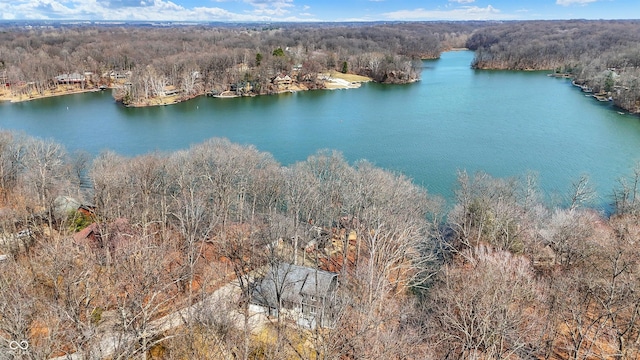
pixel 292 282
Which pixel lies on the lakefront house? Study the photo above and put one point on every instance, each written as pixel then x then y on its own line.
pixel 301 294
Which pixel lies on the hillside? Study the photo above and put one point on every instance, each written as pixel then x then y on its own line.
pixel 500 274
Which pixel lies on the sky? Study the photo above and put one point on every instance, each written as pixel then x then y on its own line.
pixel 317 10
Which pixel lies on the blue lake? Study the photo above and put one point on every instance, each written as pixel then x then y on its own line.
pixel 502 122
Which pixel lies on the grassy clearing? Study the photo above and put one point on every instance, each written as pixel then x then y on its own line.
pixel 157 101
pixel 349 77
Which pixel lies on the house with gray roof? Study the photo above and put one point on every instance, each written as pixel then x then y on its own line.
pixel 302 294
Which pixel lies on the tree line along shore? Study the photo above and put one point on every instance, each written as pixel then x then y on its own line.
pixel 602 57
pixel 147 65
pixel 99 255
pixel 170 95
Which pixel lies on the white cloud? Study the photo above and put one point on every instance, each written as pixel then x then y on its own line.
pixel 256 10
pixel 147 10
pixel 270 7
pixel 37 9
pixel 461 13
pixel 574 2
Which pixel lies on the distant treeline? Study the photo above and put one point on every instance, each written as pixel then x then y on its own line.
pixel 603 56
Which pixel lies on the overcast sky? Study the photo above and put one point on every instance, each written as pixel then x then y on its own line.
pixel 318 10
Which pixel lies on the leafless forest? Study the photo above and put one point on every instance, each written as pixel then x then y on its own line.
pixel 500 275
pixel 192 60
pixel 98 255
pixel 143 62
pixel 602 56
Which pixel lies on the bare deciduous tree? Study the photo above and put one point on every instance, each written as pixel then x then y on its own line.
pixel 490 306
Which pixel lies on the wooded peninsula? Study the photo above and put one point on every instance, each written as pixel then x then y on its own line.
pixel 218 251
pixel 157 65
pixel 148 65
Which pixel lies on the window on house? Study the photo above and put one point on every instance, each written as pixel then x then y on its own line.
pixel 308 309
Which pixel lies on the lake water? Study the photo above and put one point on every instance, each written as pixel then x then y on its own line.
pixel 502 122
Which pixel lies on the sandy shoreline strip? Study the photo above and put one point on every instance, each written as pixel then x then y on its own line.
pixel 6 96
pixel 333 81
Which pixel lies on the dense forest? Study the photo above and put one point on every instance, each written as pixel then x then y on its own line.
pixel 99 254
pixel 602 57
pixel 146 62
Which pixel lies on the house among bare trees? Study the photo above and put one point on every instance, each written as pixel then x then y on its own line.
pixel 104 236
pixel 302 294
pixel 169 90
pixel 117 75
pixel 282 80
pixel 74 78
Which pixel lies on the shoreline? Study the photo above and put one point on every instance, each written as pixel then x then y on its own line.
pixel 332 81
pixel 13 99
